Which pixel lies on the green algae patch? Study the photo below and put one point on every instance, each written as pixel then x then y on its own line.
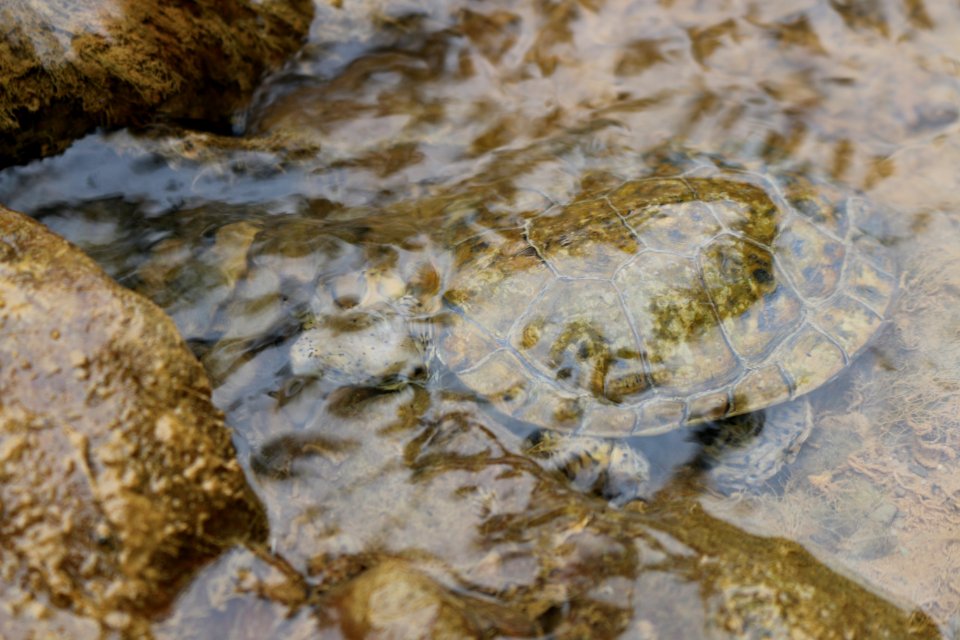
pixel 67 70
pixel 118 478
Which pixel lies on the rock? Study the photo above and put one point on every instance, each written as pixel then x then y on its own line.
pixel 68 69
pixel 118 477
pixel 394 599
pixel 886 513
pixel 756 586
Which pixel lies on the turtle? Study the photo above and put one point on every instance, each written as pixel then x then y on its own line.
pixel 692 293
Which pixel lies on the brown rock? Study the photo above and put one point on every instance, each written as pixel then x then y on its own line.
pixel 117 475
pixel 393 600
pixel 67 67
pixel 396 598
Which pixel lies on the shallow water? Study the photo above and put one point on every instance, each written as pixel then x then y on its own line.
pixel 398 129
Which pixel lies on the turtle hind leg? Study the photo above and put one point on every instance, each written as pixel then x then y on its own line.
pixel 605 467
pixel 743 454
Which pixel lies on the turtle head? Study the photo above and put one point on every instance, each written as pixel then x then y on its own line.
pixel 363 348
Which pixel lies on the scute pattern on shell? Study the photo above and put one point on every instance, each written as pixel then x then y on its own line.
pixel 695 293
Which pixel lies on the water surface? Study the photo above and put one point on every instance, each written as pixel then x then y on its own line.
pixel 398 129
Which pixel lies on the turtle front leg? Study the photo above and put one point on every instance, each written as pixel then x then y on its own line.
pixel 609 468
pixel 746 452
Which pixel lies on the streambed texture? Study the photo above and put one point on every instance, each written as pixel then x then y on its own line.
pixel 414 158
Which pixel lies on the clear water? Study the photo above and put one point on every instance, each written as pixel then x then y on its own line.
pixel 397 122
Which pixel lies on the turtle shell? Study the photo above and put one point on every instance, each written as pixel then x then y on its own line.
pixel 693 294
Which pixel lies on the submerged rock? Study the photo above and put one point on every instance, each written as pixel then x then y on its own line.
pixel 66 70
pixel 118 477
pixel 395 598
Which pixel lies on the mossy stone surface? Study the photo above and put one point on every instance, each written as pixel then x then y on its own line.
pixel 69 67
pixel 118 476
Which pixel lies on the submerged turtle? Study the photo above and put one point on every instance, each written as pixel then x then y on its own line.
pixel 695 294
